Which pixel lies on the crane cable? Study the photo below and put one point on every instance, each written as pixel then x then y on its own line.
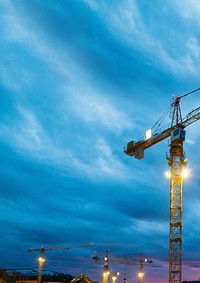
pixel 160 120
pixel 189 93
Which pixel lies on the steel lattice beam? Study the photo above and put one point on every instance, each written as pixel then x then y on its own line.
pixel 175 250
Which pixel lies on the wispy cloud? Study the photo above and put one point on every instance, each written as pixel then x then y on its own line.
pixel 29 137
pixel 188 9
pixel 152 227
pixel 92 108
pixel 128 22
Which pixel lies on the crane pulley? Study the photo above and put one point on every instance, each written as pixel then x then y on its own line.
pixel 176 159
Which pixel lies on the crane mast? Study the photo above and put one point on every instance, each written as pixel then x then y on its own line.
pixel 41 261
pixel 105 269
pixel 176 160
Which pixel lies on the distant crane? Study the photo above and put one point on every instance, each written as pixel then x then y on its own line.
pixel 42 259
pixel 176 159
pixel 124 261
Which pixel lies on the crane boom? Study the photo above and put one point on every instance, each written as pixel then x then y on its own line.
pixel 137 148
pixel 191 117
pixel 58 248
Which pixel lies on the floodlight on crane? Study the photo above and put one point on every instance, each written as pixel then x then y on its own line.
pixel 176 160
pixel 42 250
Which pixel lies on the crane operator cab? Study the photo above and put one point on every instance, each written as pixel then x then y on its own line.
pixel 178 134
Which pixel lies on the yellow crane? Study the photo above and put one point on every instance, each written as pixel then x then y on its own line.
pixel 176 160
pixel 41 259
pixel 124 261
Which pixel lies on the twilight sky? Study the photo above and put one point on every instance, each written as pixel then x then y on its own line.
pixel 79 79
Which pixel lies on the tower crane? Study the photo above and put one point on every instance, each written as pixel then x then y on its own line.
pixel 176 160
pixel 124 261
pixel 41 259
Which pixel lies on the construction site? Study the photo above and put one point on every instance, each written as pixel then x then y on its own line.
pixel 99 141
pixel 176 159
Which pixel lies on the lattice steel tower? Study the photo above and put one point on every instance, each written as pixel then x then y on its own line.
pixel 176 160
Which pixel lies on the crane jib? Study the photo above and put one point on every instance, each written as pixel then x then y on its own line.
pixel 137 149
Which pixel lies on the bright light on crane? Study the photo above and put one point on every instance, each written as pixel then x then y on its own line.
pixel 168 174
pixel 148 134
pixel 185 173
pixel 140 275
pixel 41 259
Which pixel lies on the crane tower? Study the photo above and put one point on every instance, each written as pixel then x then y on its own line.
pixel 176 160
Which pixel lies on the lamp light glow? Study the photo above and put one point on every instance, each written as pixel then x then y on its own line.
pixel 140 274
pixel 148 134
pixel 168 174
pixel 185 173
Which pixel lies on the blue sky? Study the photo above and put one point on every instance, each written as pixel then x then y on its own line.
pixel 79 79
